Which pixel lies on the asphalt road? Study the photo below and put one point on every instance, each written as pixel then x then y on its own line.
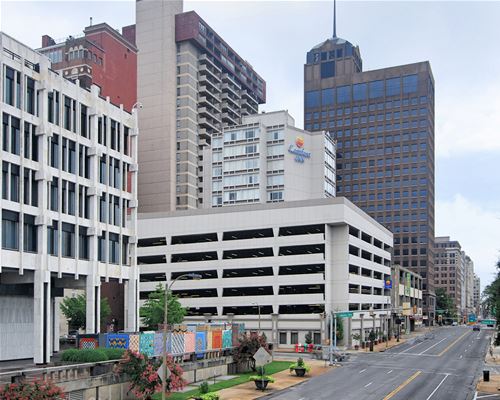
pixel 443 365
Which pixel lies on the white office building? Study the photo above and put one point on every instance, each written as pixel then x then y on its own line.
pixel 291 262
pixel 267 159
pixel 68 178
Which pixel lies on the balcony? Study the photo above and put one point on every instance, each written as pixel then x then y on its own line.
pixel 210 113
pixel 210 71
pixel 204 59
pixel 210 95
pixel 230 88
pixel 226 106
pixel 230 119
pixel 204 80
pixel 228 78
pixel 230 100
pixel 208 123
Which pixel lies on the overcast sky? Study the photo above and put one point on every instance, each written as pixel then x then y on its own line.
pixel 460 39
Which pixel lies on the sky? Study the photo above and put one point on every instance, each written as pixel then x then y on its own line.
pixel 459 39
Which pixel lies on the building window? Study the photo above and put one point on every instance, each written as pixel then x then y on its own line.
pixel 312 99
pixel 68 240
pixel 327 97
pixel 393 86
pixel 30 234
pixel 10 230
pixel 359 91
pixel 327 69
pixel 317 338
pixel 283 337
pixel 294 337
pixel 53 238
pixel 376 89
pixel 54 151
pixel 8 94
pixel 30 96
pixel 101 247
pixel 343 94
pixel 410 83
pixel 114 248
pixel 83 243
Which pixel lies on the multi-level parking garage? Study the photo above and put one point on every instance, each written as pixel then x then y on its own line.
pixel 295 261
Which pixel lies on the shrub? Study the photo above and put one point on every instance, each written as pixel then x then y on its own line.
pixel 261 378
pixel 114 354
pixel 248 346
pixel 210 396
pixel 70 355
pixel 31 390
pixel 91 355
pixel 204 388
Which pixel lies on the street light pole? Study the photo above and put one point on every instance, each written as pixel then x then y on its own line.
pixel 165 330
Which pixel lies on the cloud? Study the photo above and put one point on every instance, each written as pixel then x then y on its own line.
pixel 468 122
pixel 476 228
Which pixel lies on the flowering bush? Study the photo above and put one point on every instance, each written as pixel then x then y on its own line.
pixel 143 374
pixel 38 390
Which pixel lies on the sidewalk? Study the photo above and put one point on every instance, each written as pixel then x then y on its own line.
pixel 283 380
pixel 492 364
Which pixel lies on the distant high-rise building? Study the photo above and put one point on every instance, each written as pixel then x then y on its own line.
pixel 469 284
pixel 102 57
pixel 191 84
pixel 267 159
pixel 383 121
pixel 477 294
pixel 449 266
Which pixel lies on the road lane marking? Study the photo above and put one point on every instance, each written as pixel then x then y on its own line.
pixel 485 395
pixel 437 387
pixel 368 384
pixel 434 345
pixel 390 372
pixel 363 370
pixel 461 356
pixel 452 344
pixel 400 387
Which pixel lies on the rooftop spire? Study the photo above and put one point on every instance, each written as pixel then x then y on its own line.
pixel 334 18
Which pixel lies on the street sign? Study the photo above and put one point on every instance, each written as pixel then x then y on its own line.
pixel 262 357
pixel 344 314
pixel 472 318
pixel 488 322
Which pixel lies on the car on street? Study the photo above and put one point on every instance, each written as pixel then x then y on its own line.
pixel 454 323
pixel 476 327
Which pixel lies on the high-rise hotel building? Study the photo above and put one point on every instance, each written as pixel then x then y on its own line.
pixel 383 121
pixel 191 84
pixel 68 209
pixel 266 159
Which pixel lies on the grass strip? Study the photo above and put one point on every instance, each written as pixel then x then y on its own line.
pixel 272 368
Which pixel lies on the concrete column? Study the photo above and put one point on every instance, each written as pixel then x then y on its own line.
pixel 349 332
pixel 323 328
pixel 362 317
pixel 230 317
pixel 274 335
pixel 93 310
pixel 41 318
pixel 374 317
pixel 56 302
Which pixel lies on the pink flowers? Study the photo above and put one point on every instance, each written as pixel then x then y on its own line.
pixel 144 379
pixel 37 390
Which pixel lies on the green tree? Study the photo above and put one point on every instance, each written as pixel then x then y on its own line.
pixel 308 338
pixel 445 304
pixel 491 295
pixel 153 310
pixel 75 310
pixel 340 329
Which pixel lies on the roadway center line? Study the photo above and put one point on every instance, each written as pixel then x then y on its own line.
pixel 434 345
pixel 390 372
pixel 368 384
pixel 400 387
pixel 437 387
pixel 363 370
pixel 452 344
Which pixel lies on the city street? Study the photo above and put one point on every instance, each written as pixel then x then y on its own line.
pixel 443 364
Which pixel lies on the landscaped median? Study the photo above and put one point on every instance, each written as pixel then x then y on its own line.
pixel 271 369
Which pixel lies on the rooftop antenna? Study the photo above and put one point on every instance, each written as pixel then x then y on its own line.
pixel 90 21
pixel 334 18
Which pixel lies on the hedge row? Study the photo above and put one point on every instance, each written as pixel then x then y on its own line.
pixel 92 355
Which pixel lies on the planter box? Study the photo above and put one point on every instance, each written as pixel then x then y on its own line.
pixel 261 384
pixel 300 371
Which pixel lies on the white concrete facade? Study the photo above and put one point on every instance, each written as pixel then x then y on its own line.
pixel 69 201
pixel 295 261
pixel 268 159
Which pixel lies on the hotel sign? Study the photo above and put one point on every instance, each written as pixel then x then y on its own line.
pixel 298 151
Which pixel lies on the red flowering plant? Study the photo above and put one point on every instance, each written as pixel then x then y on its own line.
pixel 143 374
pixel 37 390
